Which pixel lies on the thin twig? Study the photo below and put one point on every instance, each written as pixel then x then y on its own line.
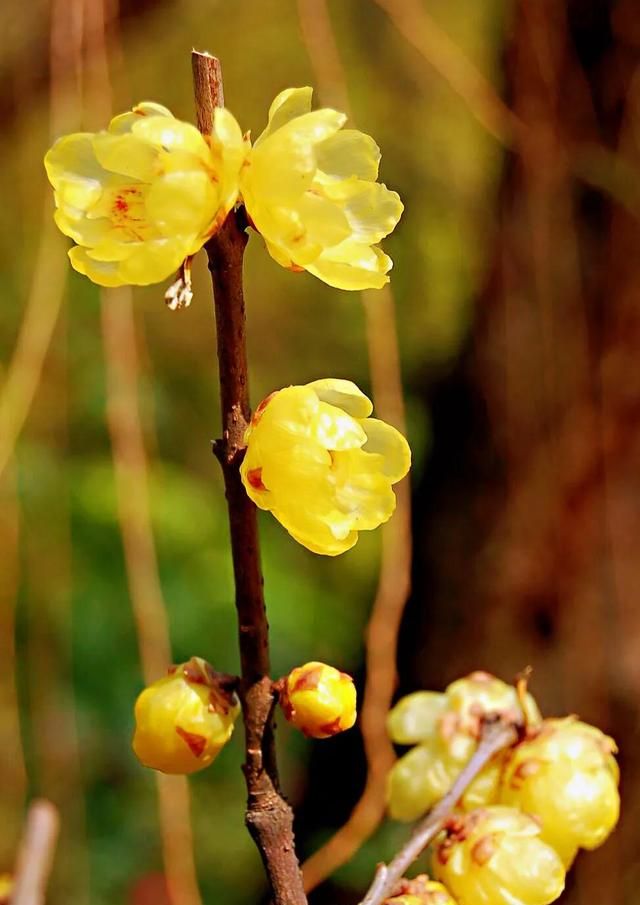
pixel 418 28
pixel 394 579
pixel 36 854
pixel 496 735
pixel 268 817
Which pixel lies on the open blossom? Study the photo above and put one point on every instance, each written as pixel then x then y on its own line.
pixel 310 189
pixel 321 465
pixel 145 194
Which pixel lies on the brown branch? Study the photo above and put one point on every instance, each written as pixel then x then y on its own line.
pixel 495 736
pixel 269 818
pixel 394 579
pixel 36 854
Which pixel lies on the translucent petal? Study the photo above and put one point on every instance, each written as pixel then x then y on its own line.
pixel 335 429
pixel 172 135
pixel 391 445
pixel 349 153
pixel 153 261
pixel 126 154
pixel 100 272
pixel 182 204
pixel 371 208
pixel 324 222
pixel 81 229
pixel 74 171
pixel 282 168
pixel 287 105
pixel 344 394
pixel 352 265
pixel 361 491
pixel 231 150
pixel 124 121
pixel 415 717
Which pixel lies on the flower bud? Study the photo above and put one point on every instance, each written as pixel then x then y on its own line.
pixel 421 891
pixel 319 700
pixel 566 776
pixel 6 888
pixel 496 855
pixel 184 719
pixel 421 777
pixel 470 699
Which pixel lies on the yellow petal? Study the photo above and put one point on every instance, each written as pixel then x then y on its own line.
pixel 182 204
pixel 335 429
pixel 125 154
pixel 288 104
pixel 352 265
pixel 386 441
pixel 349 153
pixel 371 209
pixel 344 394
pixel 124 121
pixel 153 261
pixel 74 172
pixel 100 272
pixel 171 135
pixel 361 491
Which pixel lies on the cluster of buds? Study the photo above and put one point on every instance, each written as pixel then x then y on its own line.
pixel 185 719
pixel 445 728
pixel 520 824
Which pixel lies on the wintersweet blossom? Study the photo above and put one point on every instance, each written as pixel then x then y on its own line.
pixel 321 465
pixel 145 194
pixel 309 187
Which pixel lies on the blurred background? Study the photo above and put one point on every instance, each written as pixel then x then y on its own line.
pixel 512 132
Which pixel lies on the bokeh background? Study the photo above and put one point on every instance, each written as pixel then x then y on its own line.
pixel 512 132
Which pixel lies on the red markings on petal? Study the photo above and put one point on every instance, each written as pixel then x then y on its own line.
pixel 196 743
pixel 254 477
pixel 308 680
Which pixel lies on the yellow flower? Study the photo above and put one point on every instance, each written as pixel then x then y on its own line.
pixel 566 776
pixel 146 193
pixel 319 700
pixel 184 719
pixel 6 888
pixel 421 891
pixel 495 856
pixel 444 729
pixel 321 465
pixel 310 189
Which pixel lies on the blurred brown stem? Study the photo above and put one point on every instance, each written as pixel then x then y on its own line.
pixel 36 854
pixel 269 818
pixel 495 736
pixel 394 580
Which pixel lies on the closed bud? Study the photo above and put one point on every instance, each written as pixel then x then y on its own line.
pixel 496 855
pixel 421 777
pixel 319 700
pixel 6 888
pixel 184 719
pixel 475 696
pixel 421 891
pixel 565 774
